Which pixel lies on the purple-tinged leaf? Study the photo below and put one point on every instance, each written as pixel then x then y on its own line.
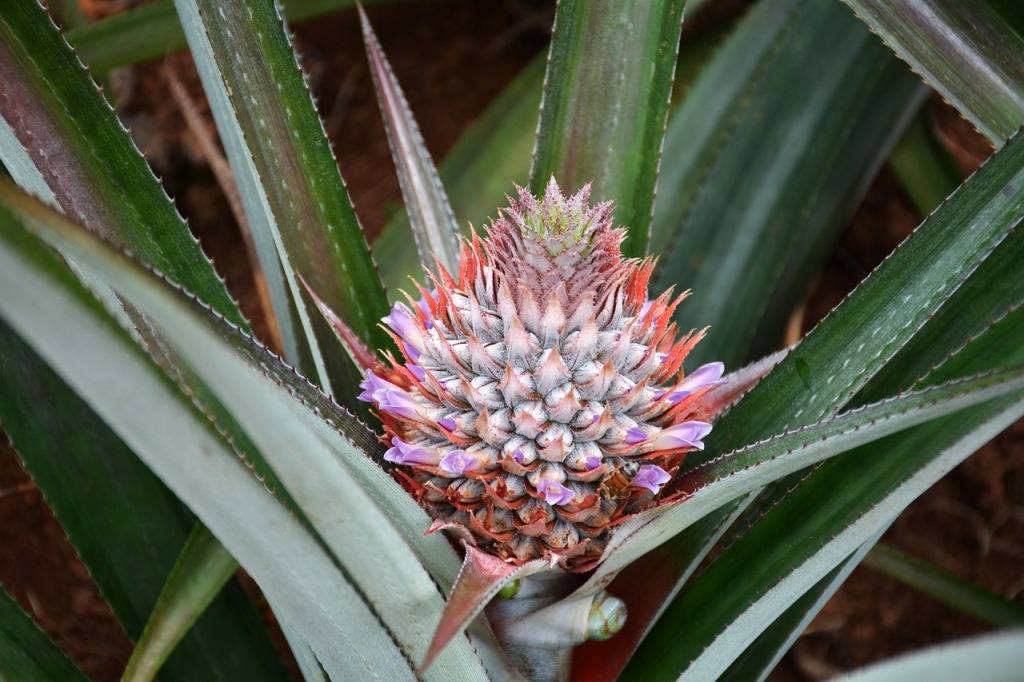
pixel 430 215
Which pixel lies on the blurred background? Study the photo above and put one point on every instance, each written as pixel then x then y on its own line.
pixel 452 58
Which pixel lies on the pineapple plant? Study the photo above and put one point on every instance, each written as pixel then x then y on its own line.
pixel 542 457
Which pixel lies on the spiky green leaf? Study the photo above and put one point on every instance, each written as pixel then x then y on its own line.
pixel 968 51
pixel 298 209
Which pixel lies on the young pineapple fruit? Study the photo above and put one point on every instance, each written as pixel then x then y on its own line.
pixel 540 397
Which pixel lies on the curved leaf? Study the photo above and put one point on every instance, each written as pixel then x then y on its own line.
pixel 946 587
pixel 990 658
pixel 322 464
pixel 62 321
pixel 299 211
pixel 965 50
pixel 202 569
pixel 715 482
pixel 762 173
pixel 430 216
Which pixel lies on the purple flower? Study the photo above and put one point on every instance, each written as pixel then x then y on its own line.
pixel 684 435
pixel 517 455
pixel 417 371
pixel 705 375
pixel 458 462
pixel 593 461
pixel 447 423
pixel 635 435
pixel 404 453
pixel 411 352
pixel 373 386
pixel 397 402
pixel 554 492
pixel 651 477
pixel 401 321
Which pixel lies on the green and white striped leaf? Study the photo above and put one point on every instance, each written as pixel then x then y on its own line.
pixel 829 511
pixel 26 653
pixel 65 325
pixel 126 526
pixel 856 510
pixel 761 657
pixel 299 212
pixel 990 658
pixel 62 132
pixel 968 51
pixel 430 216
pixel 63 142
pixel 605 104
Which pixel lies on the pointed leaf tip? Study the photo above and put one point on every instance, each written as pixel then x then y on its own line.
pixel 358 351
pixel 481 578
pixel 431 219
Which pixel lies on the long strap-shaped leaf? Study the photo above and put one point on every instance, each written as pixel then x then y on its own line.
pixel 124 523
pixel 761 173
pixel 299 211
pixel 605 103
pixel 765 652
pixel 153 30
pixel 77 146
pixel 945 587
pixel 737 603
pixel 868 327
pixel 26 653
pixel 835 509
pixel 715 482
pixel 430 215
pixel 63 142
pixel 990 658
pixel 55 315
pixel 965 50
pixel 323 466
pixel 493 154
pixel 490 157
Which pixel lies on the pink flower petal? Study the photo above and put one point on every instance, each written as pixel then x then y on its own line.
pixel 651 477
pixel 685 435
pixel 458 463
pixel 401 452
pixel 554 492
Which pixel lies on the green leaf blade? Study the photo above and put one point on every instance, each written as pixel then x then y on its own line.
pixel 606 99
pixel 95 356
pixel 965 50
pixel 430 215
pixel 26 653
pixel 946 587
pixel 761 173
pixel 292 190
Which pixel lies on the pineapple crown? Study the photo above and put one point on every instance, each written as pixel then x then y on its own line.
pixel 540 397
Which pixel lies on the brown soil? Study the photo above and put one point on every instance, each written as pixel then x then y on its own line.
pixel 452 58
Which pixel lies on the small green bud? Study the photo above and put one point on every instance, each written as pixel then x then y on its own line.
pixel 510 589
pixel 606 618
